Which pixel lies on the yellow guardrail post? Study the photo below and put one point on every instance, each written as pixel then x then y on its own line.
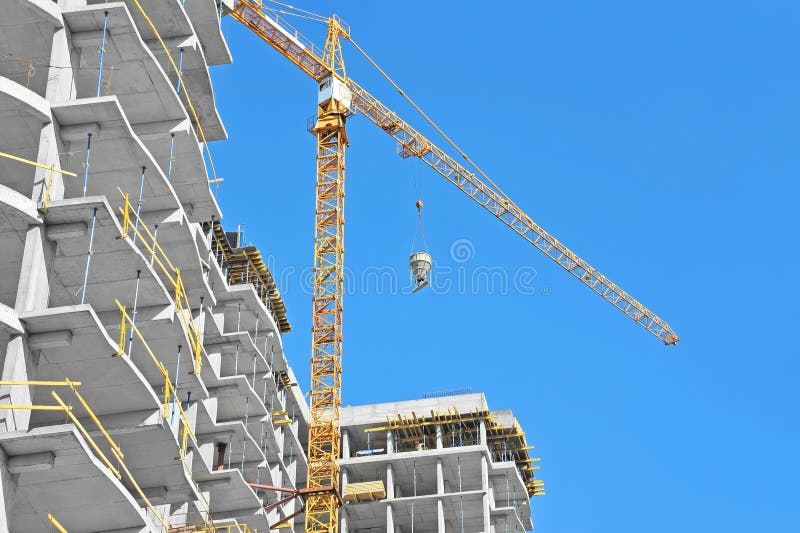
pixel 56 523
pixel 89 439
pixel 122 330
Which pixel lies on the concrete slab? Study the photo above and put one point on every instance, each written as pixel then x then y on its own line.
pixel 31 22
pixel 23 113
pixel 196 82
pixel 110 384
pixel 205 19
pixel 237 353
pixel 230 495
pixel 176 31
pixel 163 334
pixel 117 156
pixel 236 398
pixel 132 73
pixel 176 237
pixel 114 264
pixel 188 176
pixel 152 453
pixel 79 491
pixel 425 510
pixel 376 414
pixel 256 521
pixel 243 308
pixel 208 430
pixel 17 214
pixel 424 464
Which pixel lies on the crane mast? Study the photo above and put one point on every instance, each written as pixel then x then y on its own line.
pixel 338 97
pixel 321 506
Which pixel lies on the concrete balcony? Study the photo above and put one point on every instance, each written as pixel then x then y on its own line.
pixel 205 19
pixel 117 156
pixel 116 266
pixel 73 344
pixel 234 354
pixel 141 85
pixel 32 22
pixel 241 449
pixel 56 472
pixel 187 174
pixel 176 32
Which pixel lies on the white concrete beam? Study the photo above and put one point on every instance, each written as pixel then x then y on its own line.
pixel 50 339
pixel 68 230
pixel 34 462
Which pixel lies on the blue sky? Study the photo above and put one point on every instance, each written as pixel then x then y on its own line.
pixel 659 143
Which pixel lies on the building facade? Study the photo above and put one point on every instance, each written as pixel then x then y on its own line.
pixel 436 465
pixel 144 384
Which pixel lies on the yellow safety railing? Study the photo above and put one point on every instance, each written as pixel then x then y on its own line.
pixel 172 273
pixel 56 523
pixel 50 168
pixel 202 527
pixel 170 396
pixel 114 447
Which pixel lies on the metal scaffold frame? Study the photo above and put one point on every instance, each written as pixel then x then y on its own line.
pixel 506 443
pixel 244 264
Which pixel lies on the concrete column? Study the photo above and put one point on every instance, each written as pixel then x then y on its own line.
pixel 60 81
pixel 19 365
pixel 342 520
pixel 439 477
pixel 389 519
pixel 440 528
pixel 389 442
pixel 439 438
pixel 345 478
pixel 485 487
pixel 7 487
pixel 345 444
pixel 389 482
pixel 33 291
pixel 482 432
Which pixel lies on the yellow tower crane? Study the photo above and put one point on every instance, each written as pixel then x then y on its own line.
pixel 338 98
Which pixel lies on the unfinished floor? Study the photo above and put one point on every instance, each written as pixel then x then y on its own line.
pixel 144 384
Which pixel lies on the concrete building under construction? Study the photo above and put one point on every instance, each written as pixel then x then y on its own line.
pixel 144 382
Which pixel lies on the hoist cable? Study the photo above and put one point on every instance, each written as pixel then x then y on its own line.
pixel 427 118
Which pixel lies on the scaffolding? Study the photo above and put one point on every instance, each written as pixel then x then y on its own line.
pixel 456 429
pixel 243 264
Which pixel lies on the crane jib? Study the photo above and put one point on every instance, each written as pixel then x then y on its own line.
pixel 307 57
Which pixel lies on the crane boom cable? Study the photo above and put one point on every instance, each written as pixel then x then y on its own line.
pixel 299 10
pixel 426 117
pixel 306 56
pixel 415 144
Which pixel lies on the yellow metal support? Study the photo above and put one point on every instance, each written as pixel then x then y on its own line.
pixel 169 389
pixel 50 168
pixel 114 446
pixel 89 439
pixel 33 407
pixel 56 523
pixel 35 164
pixel 66 383
pixel 182 307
